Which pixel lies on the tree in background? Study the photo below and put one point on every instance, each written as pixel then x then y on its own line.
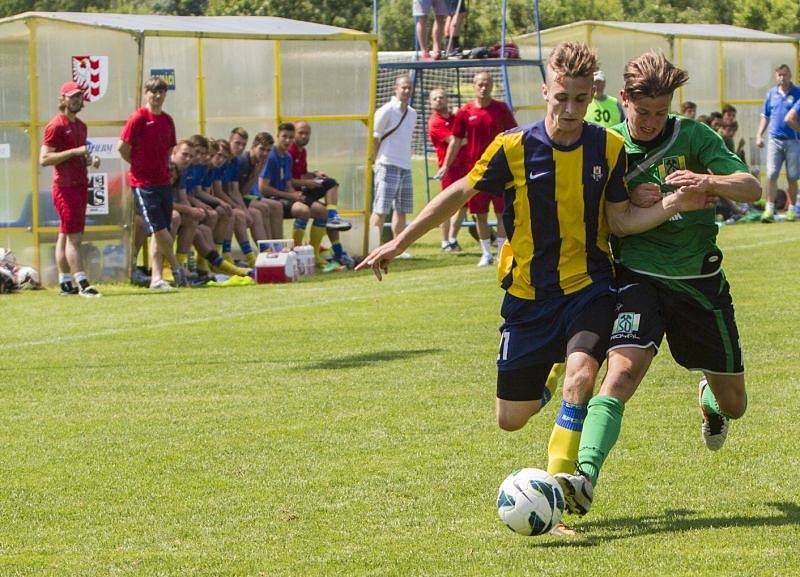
pixel 483 24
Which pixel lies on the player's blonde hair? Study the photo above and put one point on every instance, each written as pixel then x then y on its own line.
pixel 652 75
pixel 572 60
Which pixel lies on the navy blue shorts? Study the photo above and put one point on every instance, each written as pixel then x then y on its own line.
pixel 155 206
pixel 546 332
pixel 452 6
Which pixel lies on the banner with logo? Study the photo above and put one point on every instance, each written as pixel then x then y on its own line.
pixel 91 73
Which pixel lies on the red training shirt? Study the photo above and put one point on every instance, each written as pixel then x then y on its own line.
pixel 439 129
pixel 151 138
pixel 480 125
pixel 60 134
pixel 299 162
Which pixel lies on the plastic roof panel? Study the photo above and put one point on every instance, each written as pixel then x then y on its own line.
pixel 264 26
pixel 715 31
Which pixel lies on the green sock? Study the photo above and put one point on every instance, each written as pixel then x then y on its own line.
pixel 710 404
pixel 600 433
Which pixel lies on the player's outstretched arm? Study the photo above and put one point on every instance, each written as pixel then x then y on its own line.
pixel 625 218
pixel 738 186
pixel 435 213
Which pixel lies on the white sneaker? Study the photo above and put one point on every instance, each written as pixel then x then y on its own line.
pixel 405 255
pixel 486 260
pixel 578 492
pixel 714 428
pixel 162 285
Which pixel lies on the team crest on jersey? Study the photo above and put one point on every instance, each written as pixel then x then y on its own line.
pixel 671 164
pixel 626 325
pixel 91 74
pixel 597 173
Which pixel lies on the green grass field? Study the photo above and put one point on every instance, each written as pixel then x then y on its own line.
pixel 342 427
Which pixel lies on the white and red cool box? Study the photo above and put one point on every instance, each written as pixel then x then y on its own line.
pixel 274 267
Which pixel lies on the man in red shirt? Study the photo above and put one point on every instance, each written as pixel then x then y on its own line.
pixel 64 148
pixel 475 126
pixel 146 143
pixel 316 186
pixel 440 131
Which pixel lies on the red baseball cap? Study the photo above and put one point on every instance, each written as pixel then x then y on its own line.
pixel 70 88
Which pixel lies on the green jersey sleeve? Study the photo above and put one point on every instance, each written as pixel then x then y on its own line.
pixel 712 152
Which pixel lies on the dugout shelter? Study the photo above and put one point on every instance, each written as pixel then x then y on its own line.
pixel 726 64
pixel 222 72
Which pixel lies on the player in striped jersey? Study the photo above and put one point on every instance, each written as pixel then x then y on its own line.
pixel 562 181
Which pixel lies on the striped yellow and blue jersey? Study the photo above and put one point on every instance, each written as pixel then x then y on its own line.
pixel 555 217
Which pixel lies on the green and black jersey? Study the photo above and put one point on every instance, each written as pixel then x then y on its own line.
pixel 685 246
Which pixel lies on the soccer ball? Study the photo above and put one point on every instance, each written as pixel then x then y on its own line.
pixel 27 277
pixel 530 502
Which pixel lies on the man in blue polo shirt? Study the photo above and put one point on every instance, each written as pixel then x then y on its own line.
pixel 784 142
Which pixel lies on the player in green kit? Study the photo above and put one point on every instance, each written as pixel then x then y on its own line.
pixel 670 279
pixel 603 110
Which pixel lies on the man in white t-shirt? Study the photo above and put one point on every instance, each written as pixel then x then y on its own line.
pixel 394 127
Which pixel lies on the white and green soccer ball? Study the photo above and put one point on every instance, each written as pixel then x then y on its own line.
pixel 530 502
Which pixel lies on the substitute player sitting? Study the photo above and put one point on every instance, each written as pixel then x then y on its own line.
pixel 562 180
pixel 276 181
pixel 670 278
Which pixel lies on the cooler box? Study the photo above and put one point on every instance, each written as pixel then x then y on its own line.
pixel 274 267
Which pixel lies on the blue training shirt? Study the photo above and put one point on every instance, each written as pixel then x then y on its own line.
pixel 776 106
pixel 278 169
pixel 230 171
pixel 195 173
pixel 211 175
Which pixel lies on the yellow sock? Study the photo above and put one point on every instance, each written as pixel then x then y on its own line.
pixel 562 450
pixel 202 265
pixel 182 259
pixel 227 256
pixel 219 247
pixel 317 234
pixel 556 373
pixel 251 259
pixel 230 269
pixel 297 236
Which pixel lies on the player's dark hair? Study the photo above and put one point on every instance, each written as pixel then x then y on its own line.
pixel 155 84
pixel 652 75
pixel 240 132
pixel 728 108
pixel 199 140
pixel 263 139
pixel 286 126
pixel 688 105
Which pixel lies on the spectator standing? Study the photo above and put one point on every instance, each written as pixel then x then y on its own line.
pixel 784 142
pixel 456 15
pixel 603 110
pixel 393 131
pixel 420 10
pixel 475 126
pixel 440 131
pixel 146 143
pixel 64 148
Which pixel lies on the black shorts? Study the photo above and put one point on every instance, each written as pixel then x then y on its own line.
pixel 311 195
pixel 286 204
pixel 452 6
pixel 538 334
pixel 695 314
pixel 155 206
